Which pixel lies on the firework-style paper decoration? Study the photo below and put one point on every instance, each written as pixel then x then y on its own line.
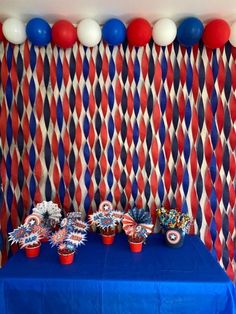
pixel 43 231
pixel 117 215
pixel 73 222
pixel 80 225
pixel 58 237
pixel 106 217
pixel 49 213
pixel 19 233
pixel 71 234
pixel 37 224
pixel 106 222
pixel 30 239
pixel 103 220
pixel 26 235
pixel 74 239
pixel 95 217
pixel 137 223
pixel 173 219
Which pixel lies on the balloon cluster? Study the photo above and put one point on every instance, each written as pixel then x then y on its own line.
pixel 138 32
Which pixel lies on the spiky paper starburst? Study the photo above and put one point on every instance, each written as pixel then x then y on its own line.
pixel 94 218
pixel 105 222
pixel 49 212
pixel 17 234
pixel 80 225
pixel 58 237
pixel 75 239
pixel 117 215
pixel 30 239
pixel 43 231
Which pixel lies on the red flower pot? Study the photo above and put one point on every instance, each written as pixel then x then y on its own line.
pixel 32 251
pixel 135 247
pixel 108 238
pixel 66 257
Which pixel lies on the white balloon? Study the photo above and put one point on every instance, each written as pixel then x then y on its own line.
pixel 232 38
pixel 14 31
pixel 164 32
pixel 89 32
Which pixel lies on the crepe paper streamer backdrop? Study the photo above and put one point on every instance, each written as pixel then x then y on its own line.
pixel 141 127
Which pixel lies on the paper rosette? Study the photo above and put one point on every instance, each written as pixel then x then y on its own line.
pixel 49 212
pixel 137 222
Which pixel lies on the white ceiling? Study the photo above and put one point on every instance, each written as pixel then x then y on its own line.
pixel 101 10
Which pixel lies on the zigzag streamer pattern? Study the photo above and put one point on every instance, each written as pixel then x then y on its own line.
pixel 150 126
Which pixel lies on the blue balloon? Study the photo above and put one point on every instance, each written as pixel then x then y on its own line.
pixel 190 31
pixel 114 32
pixel 38 32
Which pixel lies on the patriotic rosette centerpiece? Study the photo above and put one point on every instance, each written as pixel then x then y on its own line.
pixel 49 213
pixel 107 220
pixel 175 225
pixel 28 235
pixel 71 234
pixel 137 224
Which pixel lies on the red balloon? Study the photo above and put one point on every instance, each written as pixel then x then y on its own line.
pixel 64 34
pixel 216 33
pixel 139 32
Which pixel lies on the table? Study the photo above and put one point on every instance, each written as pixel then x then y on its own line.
pixel 112 280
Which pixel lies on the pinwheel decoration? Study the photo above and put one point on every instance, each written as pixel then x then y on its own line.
pixel 137 224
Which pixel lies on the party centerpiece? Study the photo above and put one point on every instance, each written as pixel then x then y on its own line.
pixel 175 225
pixel 50 215
pixel 28 236
pixel 107 220
pixel 71 234
pixel 137 224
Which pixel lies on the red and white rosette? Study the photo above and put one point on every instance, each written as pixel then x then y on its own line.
pixel 130 226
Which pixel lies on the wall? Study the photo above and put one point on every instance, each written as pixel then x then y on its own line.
pixel 150 126
pixel 101 10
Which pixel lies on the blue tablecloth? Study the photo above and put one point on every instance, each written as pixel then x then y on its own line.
pixel 112 280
